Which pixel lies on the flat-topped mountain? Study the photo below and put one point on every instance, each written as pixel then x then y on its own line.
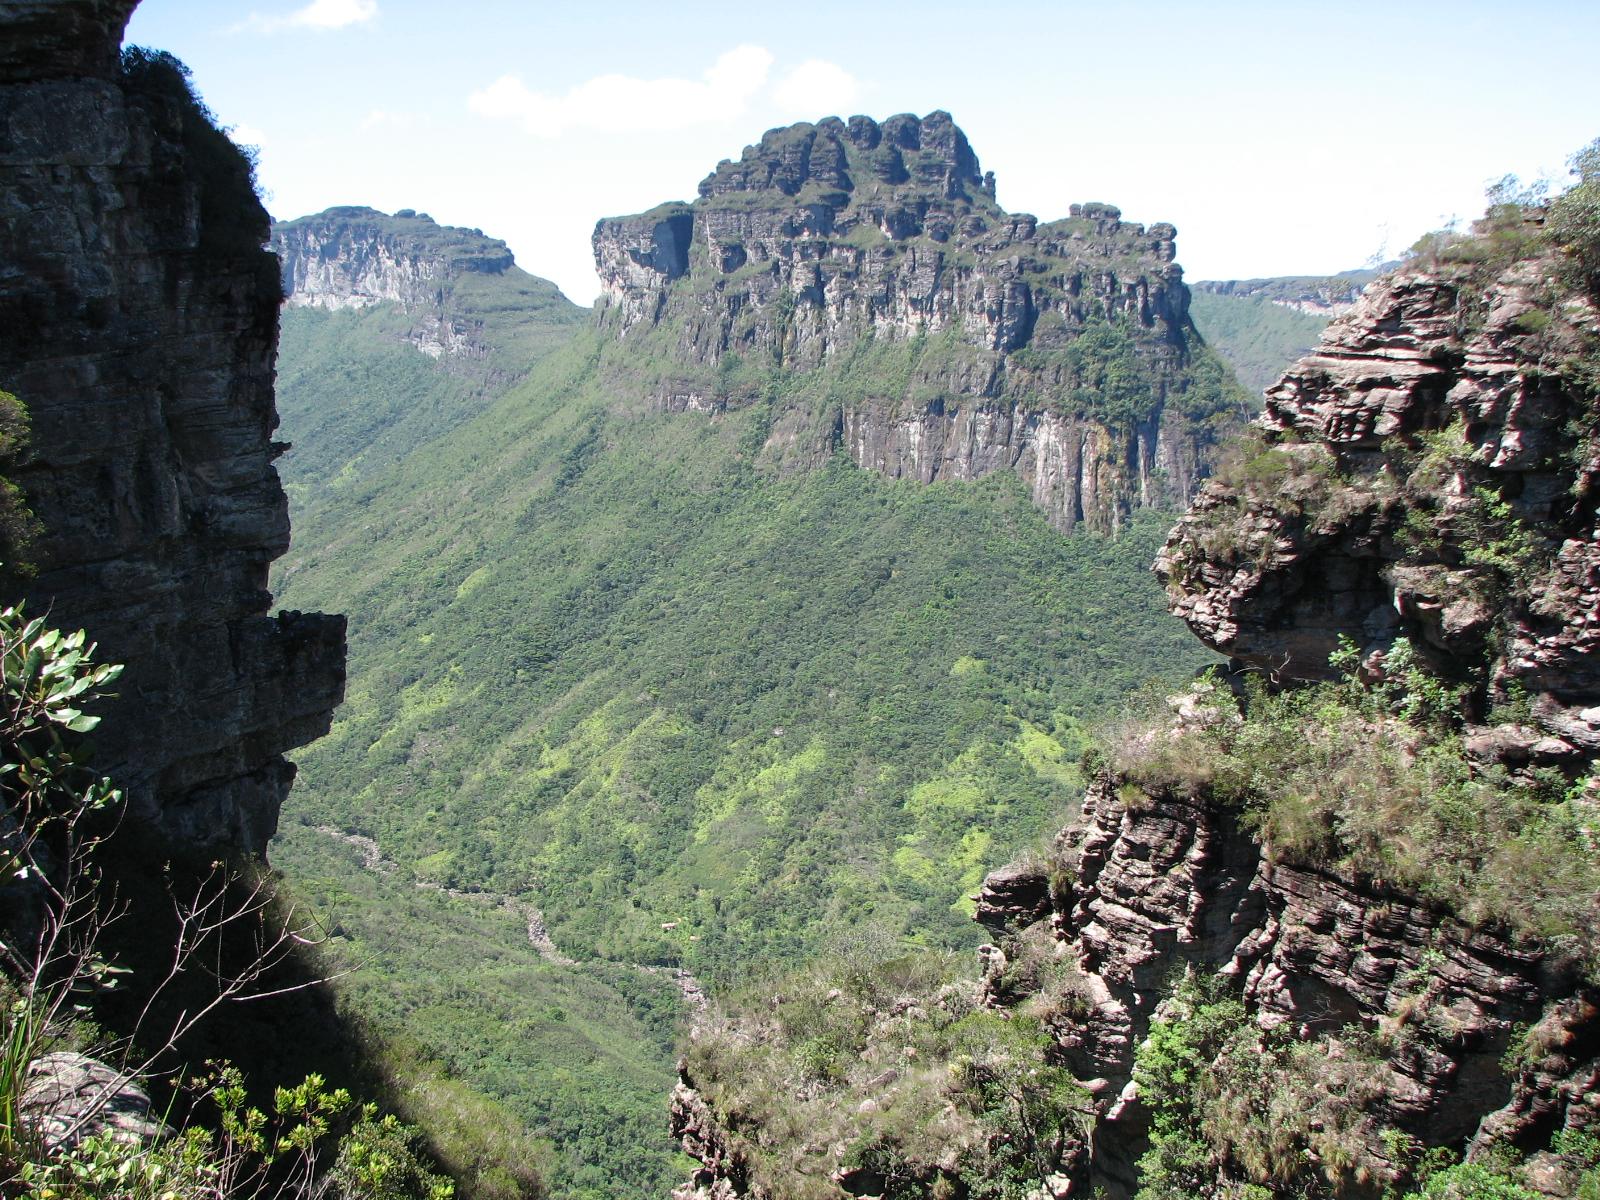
pixel 1060 350
pixel 1323 295
pixel 354 258
pixel 396 329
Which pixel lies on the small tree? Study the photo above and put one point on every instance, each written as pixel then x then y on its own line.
pixel 1574 220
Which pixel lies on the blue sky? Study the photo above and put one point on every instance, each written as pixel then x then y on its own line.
pixel 1279 137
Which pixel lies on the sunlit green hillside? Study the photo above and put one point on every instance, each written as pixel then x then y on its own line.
pixel 697 696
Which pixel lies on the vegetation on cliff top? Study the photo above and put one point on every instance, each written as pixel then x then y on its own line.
pixel 877 1069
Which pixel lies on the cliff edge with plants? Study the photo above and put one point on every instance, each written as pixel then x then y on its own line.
pixel 1325 925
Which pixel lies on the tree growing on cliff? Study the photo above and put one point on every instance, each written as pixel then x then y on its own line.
pixel 1575 219
pixel 18 527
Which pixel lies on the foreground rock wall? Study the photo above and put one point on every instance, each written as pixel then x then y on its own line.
pixel 1166 884
pixel 1429 472
pixel 138 324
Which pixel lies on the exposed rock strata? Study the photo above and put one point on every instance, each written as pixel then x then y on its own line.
pixel 1174 883
pixel 1428 474
pixel 353 258
pixel 139 319
pixel 1427 478
pixel 826 239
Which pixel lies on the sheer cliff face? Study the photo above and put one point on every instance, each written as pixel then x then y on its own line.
pixel 827 237
pixel 139 319
pixel 461 293
pixel 358 257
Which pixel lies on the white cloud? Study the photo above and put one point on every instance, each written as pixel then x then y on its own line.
pixel 618 103
pixel 816 89
pixel 319 14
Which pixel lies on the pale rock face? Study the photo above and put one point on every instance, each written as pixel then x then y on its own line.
pixel 138 324
pixel 370 276
pixel 1074 468
pixel 824 237
pixel 347 259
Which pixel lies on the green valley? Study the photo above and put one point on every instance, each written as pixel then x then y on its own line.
pixel 711 640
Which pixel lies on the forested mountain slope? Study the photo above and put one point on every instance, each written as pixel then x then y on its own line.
pixel 395 330
pixel 1260 326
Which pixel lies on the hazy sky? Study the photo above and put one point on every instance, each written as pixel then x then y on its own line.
pixel 1280 138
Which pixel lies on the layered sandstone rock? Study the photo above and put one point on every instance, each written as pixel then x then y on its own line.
pixel 1167 884
pixel 357 257
pixel 824 240
pixel 1427 473
pixel 138 324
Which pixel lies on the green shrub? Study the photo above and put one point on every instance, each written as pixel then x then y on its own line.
pixel 1371 776
pixel 1236 1107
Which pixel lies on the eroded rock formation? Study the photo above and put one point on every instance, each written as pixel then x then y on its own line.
pixel 138 324
pixel 824 241
pixel 1429 472
pixel 354 258
pixel 1423 485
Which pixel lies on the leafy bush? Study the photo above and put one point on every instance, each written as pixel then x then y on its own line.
pixel 1236 1107
pixel 1575 220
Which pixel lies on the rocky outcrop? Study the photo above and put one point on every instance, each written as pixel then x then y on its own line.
pixel 353 258
pixel 70 1097
pixel 826 243
pixel 723 1174
pixel 138 324
pixel 1427 473
pixel 1161 884
pixel 1013 897
pixel 1423 480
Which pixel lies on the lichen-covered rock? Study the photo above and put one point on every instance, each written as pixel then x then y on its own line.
pixel 69 1097
pixel 825 240
pixel 138 324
